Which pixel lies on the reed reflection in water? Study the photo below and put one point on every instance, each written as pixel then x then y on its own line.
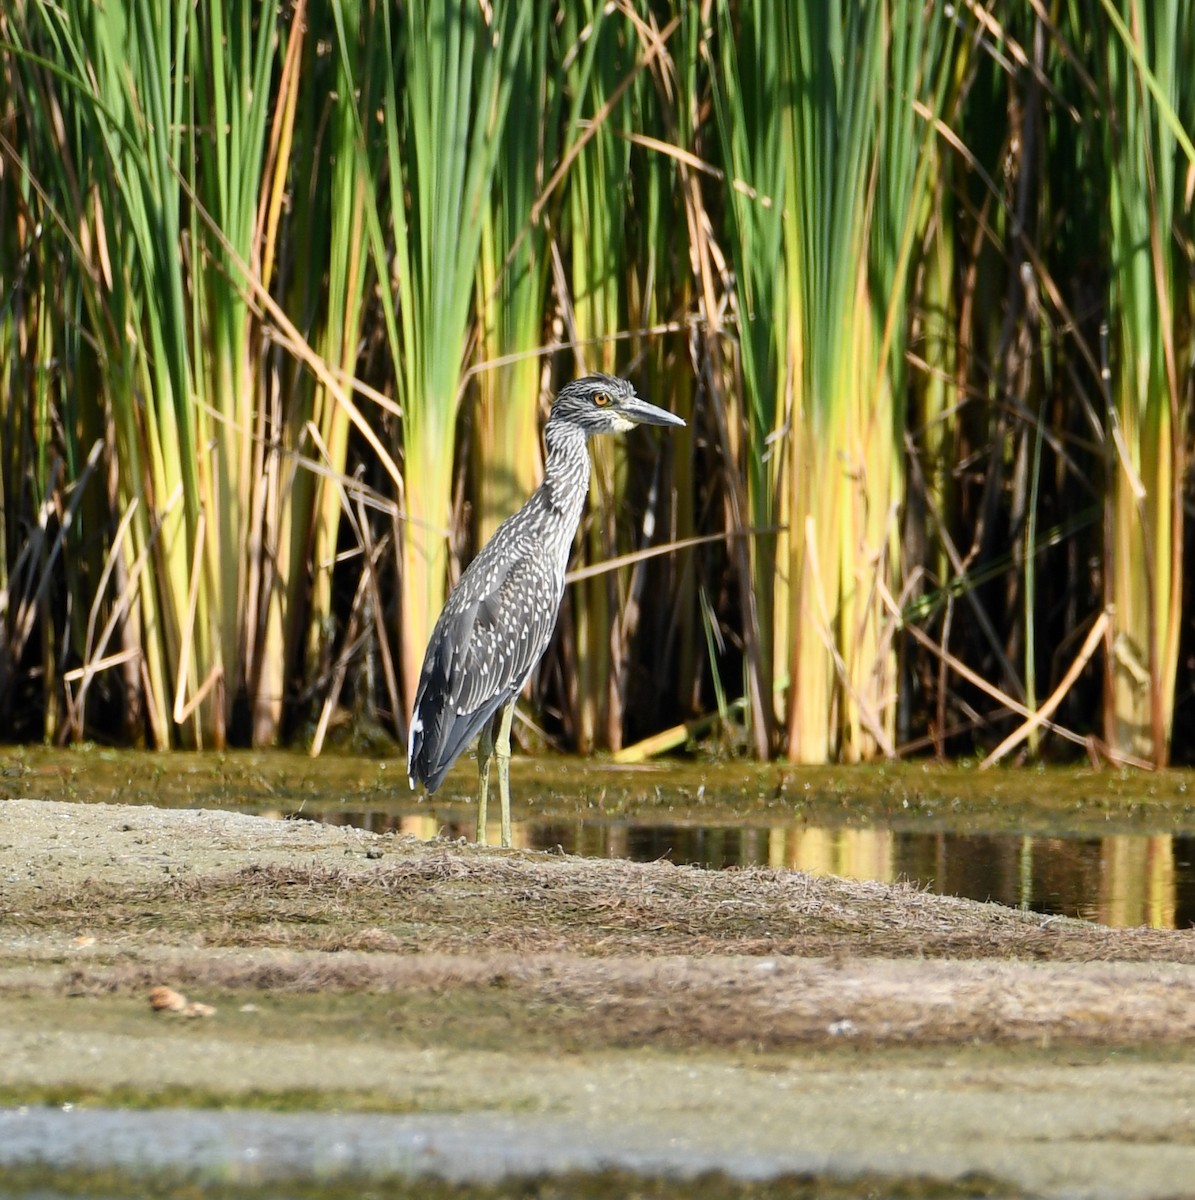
pixel 1121 879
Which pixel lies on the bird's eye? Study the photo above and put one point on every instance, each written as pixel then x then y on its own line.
pixel 601 399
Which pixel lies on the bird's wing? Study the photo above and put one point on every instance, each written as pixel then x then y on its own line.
pixel 510 629
pixel 493 630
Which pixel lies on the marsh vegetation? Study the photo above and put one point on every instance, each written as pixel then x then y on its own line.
pixel 285 290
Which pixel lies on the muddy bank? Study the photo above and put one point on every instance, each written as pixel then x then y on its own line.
pixel 769 1017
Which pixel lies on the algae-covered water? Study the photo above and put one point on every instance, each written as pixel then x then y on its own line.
pixel 1113 846
pixel 330 1156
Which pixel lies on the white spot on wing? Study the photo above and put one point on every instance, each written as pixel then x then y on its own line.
pixel 416 727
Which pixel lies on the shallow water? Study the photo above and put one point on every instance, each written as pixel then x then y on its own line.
pixel 1120 880
pixel 251 1150
pixel 1113 846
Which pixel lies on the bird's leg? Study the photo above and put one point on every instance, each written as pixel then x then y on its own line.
pixel 485 752
pixel 502 749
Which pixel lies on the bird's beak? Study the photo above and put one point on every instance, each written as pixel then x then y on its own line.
pixel 643 413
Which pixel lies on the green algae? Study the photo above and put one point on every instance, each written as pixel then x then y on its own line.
pixel 1041 800
pixel 47 1183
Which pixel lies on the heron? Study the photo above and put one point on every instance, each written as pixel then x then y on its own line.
pixel 499 618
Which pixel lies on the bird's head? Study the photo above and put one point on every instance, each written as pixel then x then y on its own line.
pixel 605 404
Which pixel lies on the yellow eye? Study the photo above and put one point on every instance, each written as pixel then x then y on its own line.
pixel 601 399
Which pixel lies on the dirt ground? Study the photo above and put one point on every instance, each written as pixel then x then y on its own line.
pixel 755 1020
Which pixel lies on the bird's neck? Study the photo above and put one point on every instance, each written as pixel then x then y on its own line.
pixel 566 473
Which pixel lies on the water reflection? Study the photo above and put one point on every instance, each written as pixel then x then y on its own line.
pixel 1122 879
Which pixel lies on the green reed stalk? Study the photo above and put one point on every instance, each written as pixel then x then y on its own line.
pixel 750 110
pixel 831 184
pixel 319 252
pixel 48 434
pixel 123 125
pixel 1148 53
pixel 346 200
pixel 912 75
pixel 17 240
pixel 598 200
pixel 152 131
pixel 231 57
pixel 512 288
pixel 283 492
pixel 936 390
pixel 448 75
pixel 657 626
pixel 679 78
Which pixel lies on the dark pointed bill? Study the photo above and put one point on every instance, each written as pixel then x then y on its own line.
pixel 643 413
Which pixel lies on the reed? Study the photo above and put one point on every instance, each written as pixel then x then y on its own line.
pixel 621 229
pixel 229 66
pixel 341 207
pixel 172 172
pixel 109 132
pixel 830 185
pixel 597 206
pixel 316 256
pixel 681 74
pixel 751 101
pixel 659 637
pixel 512 286
pixel 251 257
pixel 1150 93
pixel 448 72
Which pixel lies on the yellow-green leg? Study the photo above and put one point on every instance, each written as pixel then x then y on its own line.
pixel 485 752
pixel 502 749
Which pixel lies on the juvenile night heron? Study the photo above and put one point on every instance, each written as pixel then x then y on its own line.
pixel 499 618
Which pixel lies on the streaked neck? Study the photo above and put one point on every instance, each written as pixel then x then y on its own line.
pixel 566 473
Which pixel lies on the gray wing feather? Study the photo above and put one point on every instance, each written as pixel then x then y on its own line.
pixel 509 632
pixel 494 628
